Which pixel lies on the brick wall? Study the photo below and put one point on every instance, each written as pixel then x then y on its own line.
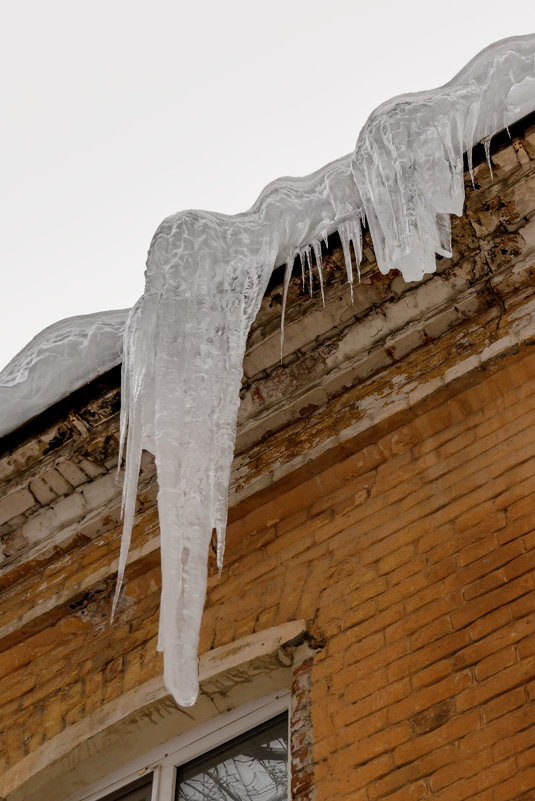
pixel 407 545
pixel 412 560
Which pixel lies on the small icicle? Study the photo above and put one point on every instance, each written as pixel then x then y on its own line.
pixel 469 135
pixel 486 144
pixel 287 276
pixel 470 166
pixel 316 247
pixel 344 238
pixel 508 132
pixel 309 262
pixel 356 238
pixel 325 238
pixel 302 260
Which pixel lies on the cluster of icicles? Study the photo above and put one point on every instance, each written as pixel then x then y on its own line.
pixel 205 279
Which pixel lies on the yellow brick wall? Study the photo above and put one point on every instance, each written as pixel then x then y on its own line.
pixel 412 562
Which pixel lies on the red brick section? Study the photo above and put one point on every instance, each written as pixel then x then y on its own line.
pixel 301 739
pixel 412 560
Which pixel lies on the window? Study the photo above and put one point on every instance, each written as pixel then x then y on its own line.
pixel 253 767
pixel 243 754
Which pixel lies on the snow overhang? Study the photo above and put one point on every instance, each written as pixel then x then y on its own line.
pixel 59 360
pixel 77 351
pixel 348 370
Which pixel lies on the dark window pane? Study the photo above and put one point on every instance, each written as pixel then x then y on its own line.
pixel 253 767
pixel 140 790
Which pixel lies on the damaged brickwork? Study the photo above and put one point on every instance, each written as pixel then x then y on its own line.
pixel 382 491
pixel 301 737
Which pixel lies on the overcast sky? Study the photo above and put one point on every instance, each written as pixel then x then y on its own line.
pixel 118 113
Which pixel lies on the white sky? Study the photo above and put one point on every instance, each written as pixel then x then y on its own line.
pixel 117 113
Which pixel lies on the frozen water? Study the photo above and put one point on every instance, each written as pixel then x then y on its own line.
pixel 206 275
pixel 408 160
pixel 57 361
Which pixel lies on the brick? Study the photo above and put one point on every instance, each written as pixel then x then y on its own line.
pixel 401 777
pixel 385 741
pixel 400 557
pixel 493 776
pixel 483 545
pixel 430 696
pixel 461 769
pixel 526 759
pixel 506 679
pixel 520 734
pixel 492 600
pixel 101 490
pixel 522 607
pixel 432 674
pixel 428 654
pixel 71 473
pixel 15 504
pixel 503 703
pixel 488 561
pixel 499 733
pixel 433 631
pixel 489 622
pixel 90 468
pixel 372 770
pixel 57 482
pixel 420 620
pixel 61 513
pixel 495 641
pixel 523 782
pixel 450 732
pixel 494 663
pixel 411 793
pixel 434 537
pixel 361 688
pixel 419 592
pixel 379 699
pixel 42 492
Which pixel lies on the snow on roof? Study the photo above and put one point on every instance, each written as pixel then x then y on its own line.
pixel 57 361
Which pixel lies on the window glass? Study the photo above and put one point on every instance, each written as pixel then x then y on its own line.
pixel 253 767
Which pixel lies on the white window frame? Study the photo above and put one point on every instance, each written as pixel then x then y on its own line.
pixel 163 761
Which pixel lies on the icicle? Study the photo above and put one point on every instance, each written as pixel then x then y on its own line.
pixel 486 144
pixel 310 276
pixel 356 238
pixel 287 276
pixel 316 247
pixel 470 160
pixel 469 133
pixel 132 390
pixel 205 279
pixel 302 260
pixel 343 232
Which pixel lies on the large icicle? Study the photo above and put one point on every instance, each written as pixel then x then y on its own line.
pixel 206 275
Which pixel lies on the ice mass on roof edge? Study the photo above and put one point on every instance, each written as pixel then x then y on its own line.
pixel 206 275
